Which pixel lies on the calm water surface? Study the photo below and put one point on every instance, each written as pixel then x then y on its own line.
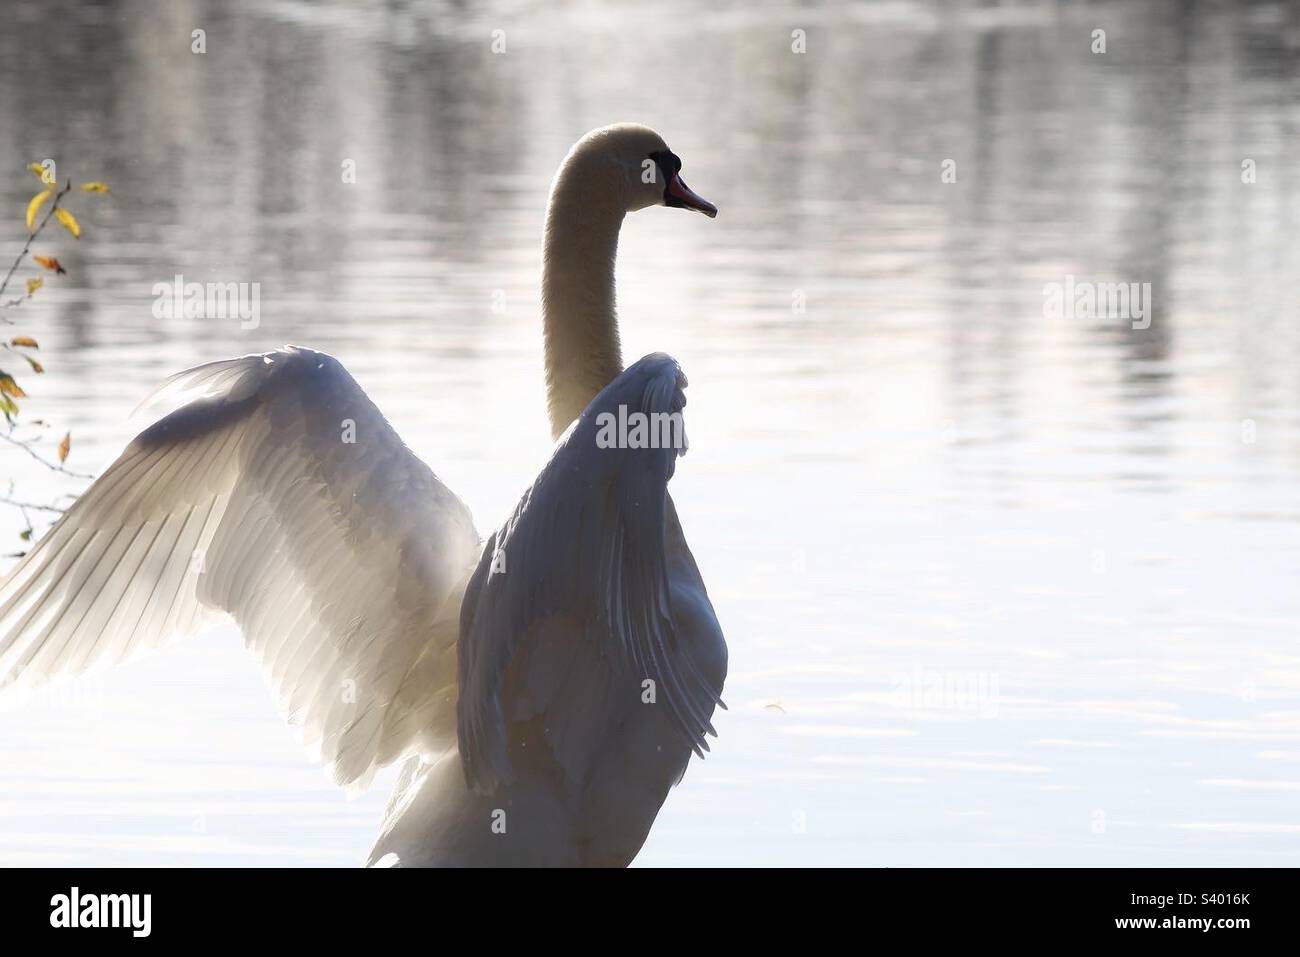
pixel 999 588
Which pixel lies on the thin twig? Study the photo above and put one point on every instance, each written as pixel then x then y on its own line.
pixel 56 466
pixel 26 505
pixel 27 247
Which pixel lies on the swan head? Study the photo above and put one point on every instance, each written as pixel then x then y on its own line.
pixel 632 165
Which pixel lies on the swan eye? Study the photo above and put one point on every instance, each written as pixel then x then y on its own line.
pixel 668 163
pixel 676 192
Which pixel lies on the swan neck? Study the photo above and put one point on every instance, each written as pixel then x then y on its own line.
pixel 580 325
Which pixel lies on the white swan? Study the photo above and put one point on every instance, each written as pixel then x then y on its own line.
pixel 550 684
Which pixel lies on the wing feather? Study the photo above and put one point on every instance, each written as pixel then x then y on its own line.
pixel 585 545
pixel 334 557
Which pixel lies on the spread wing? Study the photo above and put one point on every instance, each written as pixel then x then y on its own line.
pixel 586 544
pixel 281 496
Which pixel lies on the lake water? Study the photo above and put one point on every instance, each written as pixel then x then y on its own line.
pixel 1000 587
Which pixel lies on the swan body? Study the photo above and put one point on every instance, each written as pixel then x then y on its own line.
pixel 545 687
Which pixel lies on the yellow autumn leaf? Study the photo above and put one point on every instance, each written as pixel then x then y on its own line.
pixel 39 170
pixel 69 221
pixel 24 341
pixel 34 284
pixel 36 366
pixel 34 206
pixel 95 187
pixel 65 446
pixel 9 387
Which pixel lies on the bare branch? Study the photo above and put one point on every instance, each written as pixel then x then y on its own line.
pixel 32 505
pixel 55 466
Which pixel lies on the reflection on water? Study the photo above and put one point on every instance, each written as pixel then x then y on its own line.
pixel 999 588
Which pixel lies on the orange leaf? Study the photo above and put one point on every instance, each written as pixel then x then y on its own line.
pixel 65 446
pixel 25 341
pixel 49 262
pixel 9 387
